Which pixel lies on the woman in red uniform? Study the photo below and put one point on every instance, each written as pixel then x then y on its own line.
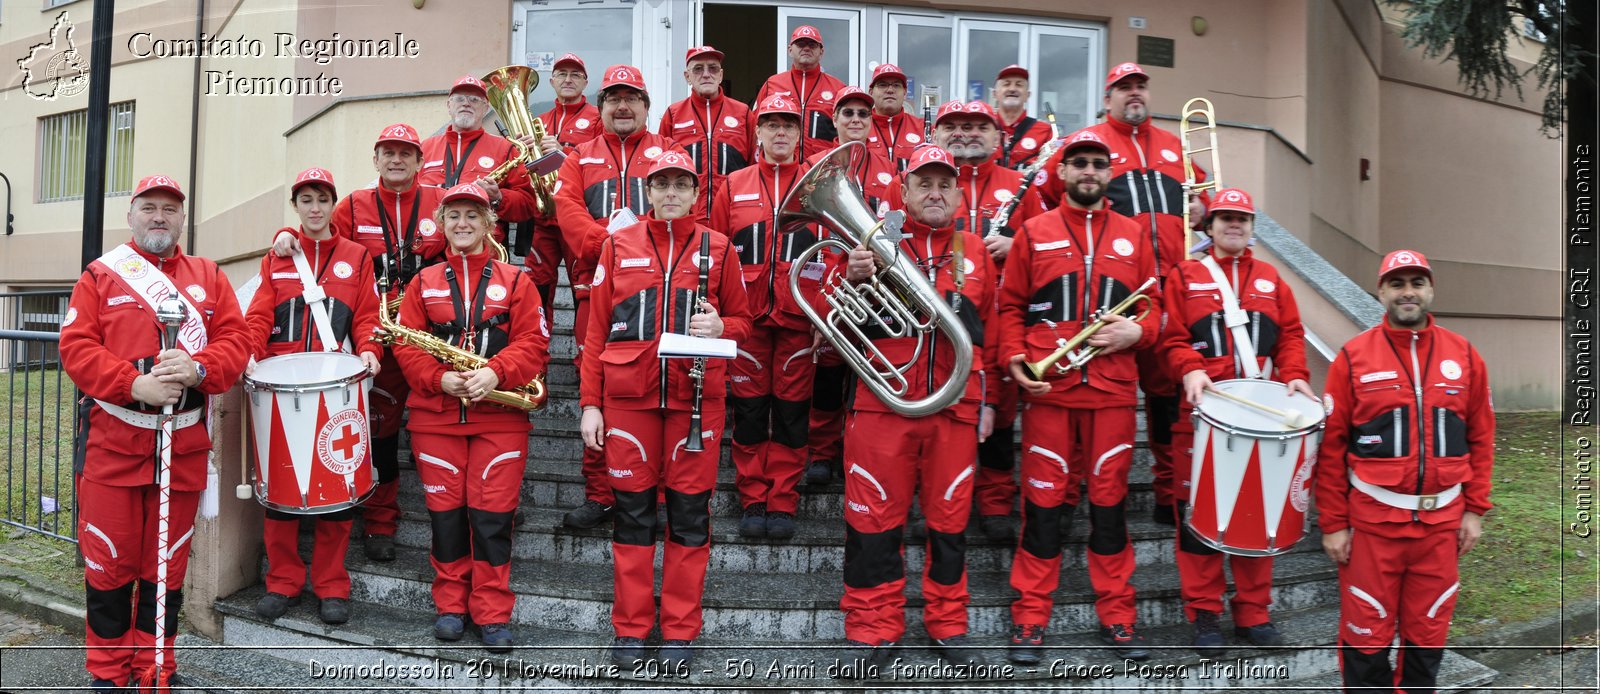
pixel 639 409
pixel 1198 348
pixel 470 454
pixel 281 322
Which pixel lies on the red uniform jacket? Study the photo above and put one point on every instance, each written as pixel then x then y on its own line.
pixel 932 249
pixel 109 338
pixel 573 124
pixel 639 266
pixel 455 157
pixel 745 212
pixel 985 189
pixel 1196 337
pixel 1146 184
pixel 901 132
pixel 1045 284
pixel 875 175
pixel 1018 144
pixel 1410 433
pixel 279 319
pixel 397 229
pixel 721 126
pixel 600 176
pixel 510 330
pixel 815 91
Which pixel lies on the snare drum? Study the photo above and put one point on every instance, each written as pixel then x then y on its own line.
pixel 1250 472
pixel 309 423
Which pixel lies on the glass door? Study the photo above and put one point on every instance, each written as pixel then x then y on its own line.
pixel 841 39
pixel 985 48
pixel 1066 65
pixel 601 32
pixel 924 47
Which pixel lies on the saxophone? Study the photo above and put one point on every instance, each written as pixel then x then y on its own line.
pixel 527 397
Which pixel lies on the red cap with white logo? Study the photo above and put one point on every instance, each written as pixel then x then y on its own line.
pixel 887 71
pixel 852 93
pixel 399 132
pixel 468 83
pixel 1012 70
pixel 314 176
pixel 466 191
pixel 1231 199
pixel 977 109
pixel 1404 260
pixel 672 160
pixel 778 103
pixel 1084 139
pixel 1124 71
pixel 929 155
pixel 623 76
pixel 158 182
pixel 570 59
pixel 806 31
pixel 702 52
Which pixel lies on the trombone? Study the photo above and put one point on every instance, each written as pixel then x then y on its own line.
pixel 1068 349
pixel 1201 107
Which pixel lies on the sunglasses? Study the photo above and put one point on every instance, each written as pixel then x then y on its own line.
pixel 855 112
pixel 1085 162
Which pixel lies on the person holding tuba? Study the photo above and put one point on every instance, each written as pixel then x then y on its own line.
pixel 665 274
pixel 280 321
pixel 1199 349
pixel 466 153
pixel 1065 267
pixel 470 454
pixel 890 457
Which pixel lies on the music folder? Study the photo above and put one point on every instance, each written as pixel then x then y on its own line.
pixel 674 345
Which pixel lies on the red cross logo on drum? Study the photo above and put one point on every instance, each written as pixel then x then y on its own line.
pixel 347 442
pixel 342 442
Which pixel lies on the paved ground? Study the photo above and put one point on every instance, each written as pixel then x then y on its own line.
pixel 1572 669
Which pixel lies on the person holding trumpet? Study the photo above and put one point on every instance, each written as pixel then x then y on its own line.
pixel 665 274
pixel 470 454
pixel 1199 348
pixel 1066 266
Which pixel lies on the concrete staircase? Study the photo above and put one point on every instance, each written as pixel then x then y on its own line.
pixel 771 609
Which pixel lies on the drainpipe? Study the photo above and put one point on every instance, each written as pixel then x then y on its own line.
pixel 94 184
pixel 194 127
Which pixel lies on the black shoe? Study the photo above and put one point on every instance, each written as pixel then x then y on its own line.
pixel 1125 642
pixel 274 605
pixel 334 611
pixel 1208 639
pixel 1027 644
pixel 587 515
pixel 626 651
pixel 676 651
pixel 1262 635
pixel 780 525
pixel 819 473
pixel 449 626
pixel 959 650
pixel 754 523
pixel 104 684
pixel 998 528
pixel 380 547
pixel 1163 514
pixel 496 638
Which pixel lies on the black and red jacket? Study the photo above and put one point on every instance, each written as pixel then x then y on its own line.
pixel 718 133
pixel 109 338
pixel 894 137
pixel 643 286
pixel 279 319
pixel 1410 411
pixel 1021 141
pixel 932 250
pixel 1064 265
pixel 985 189
pixel 599 177
pixel 453 157
pixel 815 90
pixel 1197 338
pixel 572 124
pixel 396 228
pixel 746 212
pixel 497 316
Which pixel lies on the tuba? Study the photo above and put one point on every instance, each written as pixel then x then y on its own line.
pixel 897 301
pixel 508 90
pixel 1201 107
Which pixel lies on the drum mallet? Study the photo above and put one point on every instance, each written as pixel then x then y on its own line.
pixel 244 490
pixel 1293 419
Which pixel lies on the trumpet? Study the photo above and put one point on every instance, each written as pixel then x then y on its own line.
pixel 508 90
pixel 1068 349
pixel 526 397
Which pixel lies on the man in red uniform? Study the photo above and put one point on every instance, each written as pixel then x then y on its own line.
pixel 600 177
pixel 714 129
pixel 111 349
pixel 1063 267
pixel 889 458
pixel 1403 480
pixel 464 152
pixel 895 133
pixel 1022 135
pixel 772 377
pixel 807 84
pixel 572 121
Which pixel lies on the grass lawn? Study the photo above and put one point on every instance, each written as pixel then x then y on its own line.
pixel 36 448
pixel 1526 566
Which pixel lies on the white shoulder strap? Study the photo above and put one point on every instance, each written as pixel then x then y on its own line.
pixel 316 299
pixel 1235 318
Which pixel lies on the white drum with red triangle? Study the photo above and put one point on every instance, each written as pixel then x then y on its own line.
pixel 309 424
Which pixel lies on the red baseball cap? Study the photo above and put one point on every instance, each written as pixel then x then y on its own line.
pixel 778 103
pixel 806 31
pixel 158 182
pixel 468 83
pixel 977 109
pixel 1404 260
pixel 466 191
pixel 624 76
pixel 849 93
pixel 1231 199
pixel 929 155
pixel 702 52
pixel 1124 71
pixel 1084 139
pixel 570 58
pixel 314 176
pixel 399 132
pixel 1012 69
pixel 886 70
pixel 671 160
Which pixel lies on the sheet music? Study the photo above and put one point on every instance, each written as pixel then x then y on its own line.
pixel 674 345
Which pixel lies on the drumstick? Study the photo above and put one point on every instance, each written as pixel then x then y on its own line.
pixel 1293 418
pixel 243 490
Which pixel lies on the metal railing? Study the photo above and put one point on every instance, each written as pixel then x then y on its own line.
pixel 39 425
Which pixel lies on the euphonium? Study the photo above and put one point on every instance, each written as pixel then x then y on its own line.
pixel 530 396
pixel 827 195
pixel 508 90
pixel 1068 349
pixel 1198 106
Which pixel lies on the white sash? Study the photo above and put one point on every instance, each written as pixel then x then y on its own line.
pixel 153 286
pixel 1235 318
pixel 316 299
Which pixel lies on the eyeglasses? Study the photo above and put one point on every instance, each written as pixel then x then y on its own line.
pixel 631 100
pixel 679 186
pixel 568 74
pixel 458 99
pixel 855 113
pixel 1085 162
pixel 704 69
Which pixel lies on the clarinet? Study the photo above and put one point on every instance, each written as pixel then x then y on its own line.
pixel 698 370
pixel 1029 172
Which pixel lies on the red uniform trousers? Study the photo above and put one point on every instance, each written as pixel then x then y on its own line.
pixel 286 571
pixel 1201 583
pixel 1160 412
pixel 771 401
pixel 1052 436
pixel 889 458
pixel 996 487
pixel 1406 574
pixel 117 533
pixel 381 511
pixel 643 450
pixel 471 483
pixel 596 485
pixel 830 388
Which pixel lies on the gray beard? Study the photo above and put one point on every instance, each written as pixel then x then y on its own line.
pixel 155 242
pixel 966 154
pixel 464 122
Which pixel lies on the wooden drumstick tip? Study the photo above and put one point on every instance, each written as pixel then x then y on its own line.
pixel 243 491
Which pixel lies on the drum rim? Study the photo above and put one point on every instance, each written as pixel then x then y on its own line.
pixel 1262 433
pixel 256 385
pixel 261 498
